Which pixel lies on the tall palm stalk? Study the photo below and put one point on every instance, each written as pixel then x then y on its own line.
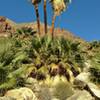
pixel 53 22
pixel 45 17
pixel 58 7
pixel 35 3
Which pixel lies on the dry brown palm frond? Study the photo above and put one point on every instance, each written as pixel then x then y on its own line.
pixel 34 2
pixel 58 6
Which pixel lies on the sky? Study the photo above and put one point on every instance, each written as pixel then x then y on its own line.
pixel 82 17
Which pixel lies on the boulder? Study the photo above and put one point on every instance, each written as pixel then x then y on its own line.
pixel 55 99
pixel 94 90
pixel 5 27
pixel 84 76
pixel 81 80
pixel 6 98
pixel 2 19
pixel 41 90
pixel 21 94
pixel 81 95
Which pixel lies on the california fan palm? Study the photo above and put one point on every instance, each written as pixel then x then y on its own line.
pixel 58 7
pixel 45 16
pixel 35 3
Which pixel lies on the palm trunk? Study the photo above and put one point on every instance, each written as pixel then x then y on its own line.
pixel 45 17
pixel 38 18
pixel 52 27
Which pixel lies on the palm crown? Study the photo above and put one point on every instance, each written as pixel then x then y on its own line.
pixel 36 2
pixel 59 5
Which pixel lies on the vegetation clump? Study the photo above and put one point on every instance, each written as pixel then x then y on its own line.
pixel 23 56
pixel 37 57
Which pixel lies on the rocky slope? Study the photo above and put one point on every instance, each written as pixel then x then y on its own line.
pixel 7 26
pixel 39 68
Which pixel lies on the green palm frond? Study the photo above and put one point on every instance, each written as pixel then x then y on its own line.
pixel 95 68
pixel 6 50
pixel 20 57
pixel 8 84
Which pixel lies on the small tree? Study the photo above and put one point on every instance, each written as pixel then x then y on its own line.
pixel 35 3
pixel 58 7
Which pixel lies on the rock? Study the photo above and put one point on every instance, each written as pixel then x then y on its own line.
pixel 41 90
pixel 81 95
pixel 6 98
pixel 79 84
pixel 87 66
pixel 33 84
pixel 81 80
pixel 2 19
pixel 84 76
pixel 3 24
pixel 22 94
pixel 94 90
pixel 5 27
pixel 55 99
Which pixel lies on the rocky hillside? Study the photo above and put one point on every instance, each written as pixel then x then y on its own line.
pixel 7 26
pixel 36 67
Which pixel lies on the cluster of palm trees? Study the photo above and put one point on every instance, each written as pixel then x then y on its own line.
pixel 58 7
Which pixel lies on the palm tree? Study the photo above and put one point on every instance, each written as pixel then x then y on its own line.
pixel 45 17
pixel 58 7
pixel 35 3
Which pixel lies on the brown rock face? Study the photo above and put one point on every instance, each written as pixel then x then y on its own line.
pixel 8 28
pixel 2 19
pixel 4 26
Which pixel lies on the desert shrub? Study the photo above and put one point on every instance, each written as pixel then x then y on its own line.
pixel 61 88
pixel 95 44
pixel 95 69
pixel 24 32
